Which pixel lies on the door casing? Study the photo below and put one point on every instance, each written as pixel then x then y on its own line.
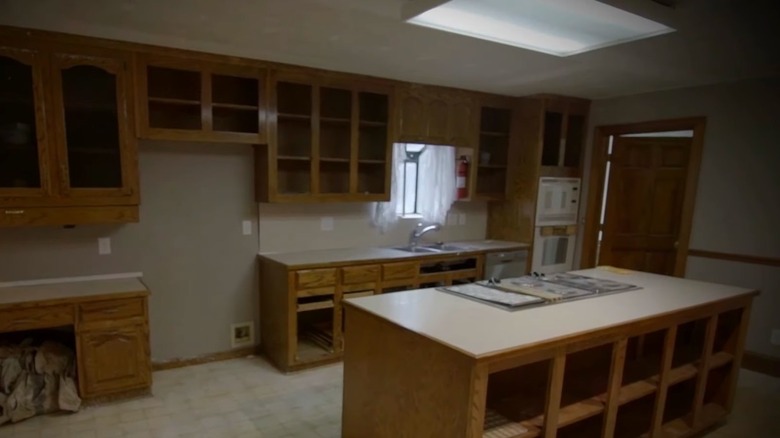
pixel 596 181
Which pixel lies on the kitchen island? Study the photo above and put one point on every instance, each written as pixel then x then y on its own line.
pixel 659 361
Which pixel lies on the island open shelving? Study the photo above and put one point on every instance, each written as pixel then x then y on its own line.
pixel 661 361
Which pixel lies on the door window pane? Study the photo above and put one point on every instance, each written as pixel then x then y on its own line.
pixel 91 127
pixel 19 162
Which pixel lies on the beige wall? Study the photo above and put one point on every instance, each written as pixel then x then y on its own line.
pixel 297 227
pixel 738 198
pixel 189 245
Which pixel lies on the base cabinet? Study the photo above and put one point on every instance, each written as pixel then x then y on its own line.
pixel 114 360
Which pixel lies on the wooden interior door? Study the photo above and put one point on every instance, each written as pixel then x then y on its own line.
pixel 644 203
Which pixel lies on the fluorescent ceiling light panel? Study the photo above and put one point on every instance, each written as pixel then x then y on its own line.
pixel 556 27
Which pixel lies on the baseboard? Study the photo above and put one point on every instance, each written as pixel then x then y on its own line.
pixel 761 363
pixel 213 357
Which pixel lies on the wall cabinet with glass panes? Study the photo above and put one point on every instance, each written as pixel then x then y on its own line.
pixel 329 141
pixel 67 154
pixel 563 136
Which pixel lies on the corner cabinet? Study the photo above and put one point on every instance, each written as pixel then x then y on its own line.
pixel 433 115
pixel 329 141
pixel 183 99
pixel 67 153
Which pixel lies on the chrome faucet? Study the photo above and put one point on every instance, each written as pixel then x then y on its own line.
pixel 420 230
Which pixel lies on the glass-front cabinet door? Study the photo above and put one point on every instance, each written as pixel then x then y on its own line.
pixel 24 153
pixel 96 150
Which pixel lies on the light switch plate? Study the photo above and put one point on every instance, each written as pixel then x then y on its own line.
pixel 461 218
pixel 326 223
pixel 775 339
pixel 246 228
pixel 104 245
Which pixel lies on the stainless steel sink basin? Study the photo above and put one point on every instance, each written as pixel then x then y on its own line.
pixel 431 248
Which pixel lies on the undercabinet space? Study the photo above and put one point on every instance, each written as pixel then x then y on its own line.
pixel 294 176
pixel 584 382
pixel 634 418
pixel 315 333
pixel 174 115
pixel 169 83
pixel 518 395
pixel 643 358
pixel 334 177
pixel 234 90
pixel 727 330
pixel 679 401
pixel 717 387
pixel 371 178
pixel 244 120
pixel 588 428
pixel 688 345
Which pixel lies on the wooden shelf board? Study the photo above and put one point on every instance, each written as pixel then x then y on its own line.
pixel 492 166
pixel 634 391
pixel 579 411
pixel 679 374
pixel 305 307
pixel 720 359
pixel 338 120
pixel 494 133
pixel 294 116
pixel 292 158
pixel 235 106
pixel 370 123
pixel 334 160
pixel 371 161
pixel 308 351
pixel 498 426
pixel 172 101
pixel 710 414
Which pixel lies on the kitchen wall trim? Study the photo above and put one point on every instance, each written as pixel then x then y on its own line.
pixel 41 281
pixel 742 258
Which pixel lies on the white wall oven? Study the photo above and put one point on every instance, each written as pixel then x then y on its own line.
pixel 557 210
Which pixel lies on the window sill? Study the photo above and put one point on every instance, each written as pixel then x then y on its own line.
pixel 410 216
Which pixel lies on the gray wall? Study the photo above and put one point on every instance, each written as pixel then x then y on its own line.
pixel 738 197
pixel 189 245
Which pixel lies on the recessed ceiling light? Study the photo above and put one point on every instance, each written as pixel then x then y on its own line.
pixel 556 27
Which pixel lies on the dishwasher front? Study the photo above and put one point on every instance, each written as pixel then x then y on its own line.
pixel 506 264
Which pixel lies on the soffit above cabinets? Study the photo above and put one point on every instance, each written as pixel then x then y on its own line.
pixel 714 42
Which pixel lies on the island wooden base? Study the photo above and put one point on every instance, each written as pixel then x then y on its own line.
pixel 670 376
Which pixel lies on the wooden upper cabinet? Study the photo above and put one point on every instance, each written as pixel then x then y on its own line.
pixel 564 130
pixel 24 147
pixel 329 141
pixel 434 115
pixel 496 146
pixel 183 99
pixel 67 153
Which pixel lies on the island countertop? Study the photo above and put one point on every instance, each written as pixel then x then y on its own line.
pixel 480 330
pixel 303 259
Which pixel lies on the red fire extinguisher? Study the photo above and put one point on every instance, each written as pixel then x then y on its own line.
pixel 462 177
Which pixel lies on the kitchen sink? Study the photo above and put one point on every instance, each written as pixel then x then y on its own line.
pixel 431 248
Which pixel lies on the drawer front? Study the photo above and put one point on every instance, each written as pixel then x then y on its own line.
pixel 399 271
pixel 111 310
pixel 360 274
pixel 313 278
pixel 36 318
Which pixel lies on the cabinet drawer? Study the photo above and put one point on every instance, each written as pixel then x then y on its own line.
pixel 398 271
pixel 111 310
pixel 35 318
pixel 360 274
pixel 313 278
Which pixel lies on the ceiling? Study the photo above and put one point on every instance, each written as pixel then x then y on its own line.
pixel 716 41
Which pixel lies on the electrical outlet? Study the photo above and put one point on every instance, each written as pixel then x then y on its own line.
pixel 326 223
pixel 246 228
pixel 242 334
pixel 461 218
pixel 775 339
pixel 104 245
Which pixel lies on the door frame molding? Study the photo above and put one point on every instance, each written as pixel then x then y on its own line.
pixel 596 182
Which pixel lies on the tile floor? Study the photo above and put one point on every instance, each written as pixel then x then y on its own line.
pixel 249 398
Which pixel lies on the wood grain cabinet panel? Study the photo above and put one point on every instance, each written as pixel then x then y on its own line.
pixel 412 121
pixel 434 115
pixel 360 274
pixel 462 121
pixel 111 310
pixel 114 360
pixel 314 278
pixel 400 270
pixel 438 116
pixel 36 317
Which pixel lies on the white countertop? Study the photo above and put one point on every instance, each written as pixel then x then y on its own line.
pixel 70 290
pixel 478 329
pixel 325 256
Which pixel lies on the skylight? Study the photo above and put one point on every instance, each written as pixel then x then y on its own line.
pixel 556 27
